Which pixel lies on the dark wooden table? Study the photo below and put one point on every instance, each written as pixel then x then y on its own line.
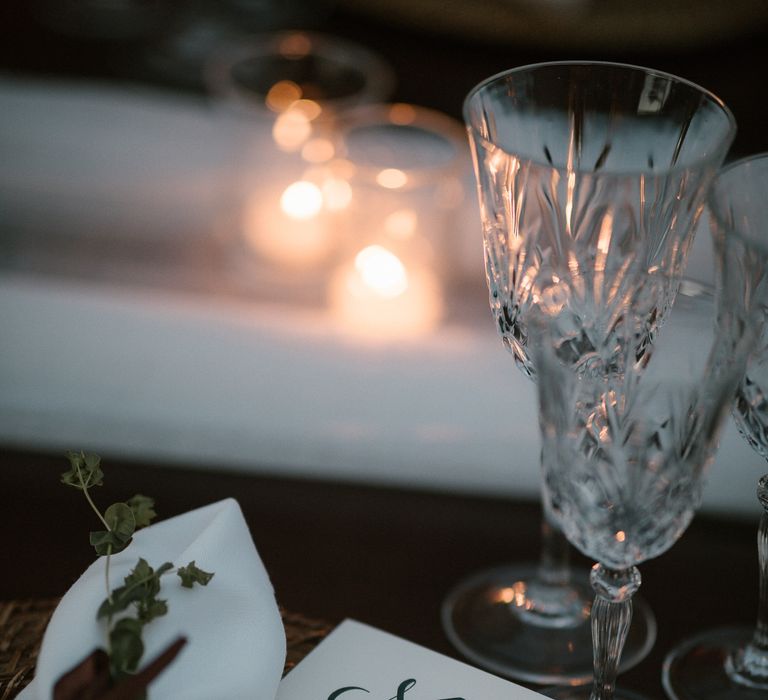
pixel 386 557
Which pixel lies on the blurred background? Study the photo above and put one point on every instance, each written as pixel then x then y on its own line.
pixel 243 235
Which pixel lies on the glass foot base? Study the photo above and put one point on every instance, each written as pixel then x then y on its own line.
pixel 491 621
pixel 697 669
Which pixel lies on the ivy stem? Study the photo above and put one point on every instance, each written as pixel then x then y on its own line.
pixel 90 500
pixel 106 573
pixel 109 551
pixel 109 598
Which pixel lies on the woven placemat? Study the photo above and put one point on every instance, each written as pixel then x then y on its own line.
pixel 22 623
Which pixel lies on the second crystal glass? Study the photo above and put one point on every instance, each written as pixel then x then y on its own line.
pixel 572 158
pixel 732 663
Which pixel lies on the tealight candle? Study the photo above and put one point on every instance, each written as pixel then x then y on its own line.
pixel 286 90
pixel 288 227
pixel 378 296
pixel 408 167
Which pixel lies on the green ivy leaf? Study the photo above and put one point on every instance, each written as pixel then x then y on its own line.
pixel 106 542
pixel 121 523
pixel 142 584
pixel 143 508
pixel 126 646
pixel 144 576
pixel 84 470
pixel 122 597
pixel 149 610
pixel 139 574
pixel 190 575
pixel 120 520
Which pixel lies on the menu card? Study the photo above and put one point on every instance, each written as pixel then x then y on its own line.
pixel 358 662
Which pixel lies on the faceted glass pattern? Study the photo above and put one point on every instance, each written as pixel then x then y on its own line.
pixel 615 179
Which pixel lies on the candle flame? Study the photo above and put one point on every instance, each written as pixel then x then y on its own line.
pixel 382 271
pixel 392 178
pixel 301 200
pixel 375 298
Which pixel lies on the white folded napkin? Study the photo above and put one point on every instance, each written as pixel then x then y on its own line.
pixel 236 640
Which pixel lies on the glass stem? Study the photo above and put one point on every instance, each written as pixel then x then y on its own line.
pixel 761 631
pixel 555 561
pixel 750 665
pixel 611 617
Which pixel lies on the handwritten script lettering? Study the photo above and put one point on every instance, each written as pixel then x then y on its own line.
pixel 402 689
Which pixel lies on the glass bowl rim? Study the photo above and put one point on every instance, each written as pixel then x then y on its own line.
pixel 762 158
pixel 695 163
pixel 378 75
pixel 429 120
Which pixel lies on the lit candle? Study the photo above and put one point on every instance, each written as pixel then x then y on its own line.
pixel 287 227
pixel 378 296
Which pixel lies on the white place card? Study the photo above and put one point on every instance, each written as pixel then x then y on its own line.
pixel 358 662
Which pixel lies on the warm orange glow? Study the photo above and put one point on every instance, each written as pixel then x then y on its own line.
pixel 337 194
pixel 309 108
pixel 515 595
pixel 571 188
pixel 392 178
pixel 286 227
pixel 381 271
pixel 291 129
pixel 606 233
pixel 343 168
pixel 295 46
pixel 521 599
pixel 401 224
pixel 301 200
pixel 621 536
pixel 282 95
pixel 317 150
pixel 402 114
pixel 498 161
pixel 378 297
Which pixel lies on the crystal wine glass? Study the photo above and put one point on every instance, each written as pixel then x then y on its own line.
pixel 732 663
pixel 564 154
pixel 628 429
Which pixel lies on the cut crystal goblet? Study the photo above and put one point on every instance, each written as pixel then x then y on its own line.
pixel 628 431
pixel 732 663
pixel 569 157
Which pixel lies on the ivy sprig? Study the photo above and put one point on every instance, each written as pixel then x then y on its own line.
pixel 136 602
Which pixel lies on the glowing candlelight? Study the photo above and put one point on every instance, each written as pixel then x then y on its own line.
pixel 301 200
pixel 291 129
pixel 287 227
pixel 392 178
pixel 377 295
pixel 282 95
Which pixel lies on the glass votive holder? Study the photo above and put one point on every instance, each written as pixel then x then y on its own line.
pixel 282 93
pixel 267 74
pixel 406 166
